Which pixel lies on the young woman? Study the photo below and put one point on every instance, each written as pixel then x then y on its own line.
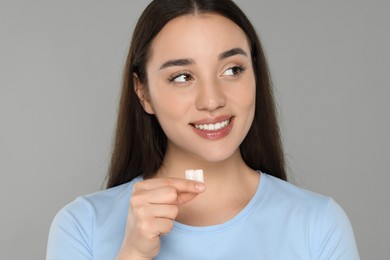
pixel 197 95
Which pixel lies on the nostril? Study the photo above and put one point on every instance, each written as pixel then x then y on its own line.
pixel 210 96
pixel 210 104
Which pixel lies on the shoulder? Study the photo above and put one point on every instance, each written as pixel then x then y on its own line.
pixel 328 228
pixel 287 193
pixel 97 202
pixel 307 204
pixel 73 227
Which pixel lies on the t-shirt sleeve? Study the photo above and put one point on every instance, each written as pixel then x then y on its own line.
pixel 70 234
pixel 333 237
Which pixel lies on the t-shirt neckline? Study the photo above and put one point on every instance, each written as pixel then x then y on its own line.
pixel 253 203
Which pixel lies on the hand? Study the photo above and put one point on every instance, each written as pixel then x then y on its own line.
pixel 153 209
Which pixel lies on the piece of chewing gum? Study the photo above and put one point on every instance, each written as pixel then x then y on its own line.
pixel 195 175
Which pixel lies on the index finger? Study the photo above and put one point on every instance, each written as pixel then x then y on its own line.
pixel 181 185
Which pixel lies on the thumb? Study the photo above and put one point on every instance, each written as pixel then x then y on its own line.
pixel 184 197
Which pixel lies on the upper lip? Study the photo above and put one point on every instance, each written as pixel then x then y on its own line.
pixel 212 120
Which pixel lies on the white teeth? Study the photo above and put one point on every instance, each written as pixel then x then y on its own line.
pixel 213 127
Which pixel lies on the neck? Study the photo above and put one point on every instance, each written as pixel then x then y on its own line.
pixel 175 164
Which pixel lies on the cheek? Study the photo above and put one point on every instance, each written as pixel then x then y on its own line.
pixel 251 93
pixel 169 107
pixel 249 96
pixel 246 100
pixel 246 97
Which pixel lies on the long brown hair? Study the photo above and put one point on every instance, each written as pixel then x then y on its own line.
pixel 140 143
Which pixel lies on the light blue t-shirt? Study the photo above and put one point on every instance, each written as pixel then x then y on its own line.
pixel 281 221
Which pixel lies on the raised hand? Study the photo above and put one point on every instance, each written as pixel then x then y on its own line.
pixel 153 209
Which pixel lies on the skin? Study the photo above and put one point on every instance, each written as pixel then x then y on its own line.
pixel 210 82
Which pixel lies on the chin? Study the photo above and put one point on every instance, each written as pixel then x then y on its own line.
pixel 220 155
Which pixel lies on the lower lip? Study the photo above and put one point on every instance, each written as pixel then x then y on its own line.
pixel 215 134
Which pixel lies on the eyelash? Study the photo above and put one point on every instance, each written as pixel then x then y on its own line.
pixel 237 70
pixel 178 74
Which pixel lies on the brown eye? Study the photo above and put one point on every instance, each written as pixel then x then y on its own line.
pixel 233 71
pixel 181 78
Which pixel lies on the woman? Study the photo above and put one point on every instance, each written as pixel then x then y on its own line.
pixel 197 95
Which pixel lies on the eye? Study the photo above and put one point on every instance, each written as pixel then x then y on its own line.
pixel 180 77
pixel 234 71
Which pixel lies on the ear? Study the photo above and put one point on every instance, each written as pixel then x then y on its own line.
pixel 142 94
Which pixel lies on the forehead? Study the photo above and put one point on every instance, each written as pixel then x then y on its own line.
pixel 197 35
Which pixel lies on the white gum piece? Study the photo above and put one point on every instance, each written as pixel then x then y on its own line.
pixel 198 174
pixel 189 174
pixel 195 175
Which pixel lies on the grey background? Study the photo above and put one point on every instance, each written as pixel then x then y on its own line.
pixel 61 64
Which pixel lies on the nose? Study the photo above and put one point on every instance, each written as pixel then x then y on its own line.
pixel 210 96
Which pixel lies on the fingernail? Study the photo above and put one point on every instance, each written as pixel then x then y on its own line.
pixel 200 186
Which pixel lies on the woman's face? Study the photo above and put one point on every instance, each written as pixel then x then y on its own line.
pixel 201 86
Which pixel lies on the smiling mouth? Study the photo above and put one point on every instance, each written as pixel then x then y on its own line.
pixel 213 127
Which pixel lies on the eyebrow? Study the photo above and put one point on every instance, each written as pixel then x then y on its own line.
pixel 179 62
pixel 186 62
pixel 232 52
